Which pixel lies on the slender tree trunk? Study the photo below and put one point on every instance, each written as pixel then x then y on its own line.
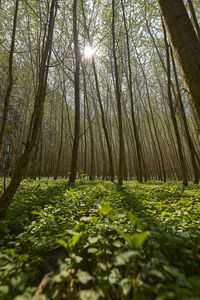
pixel 136 135
pixel 178 139
pixel 108 143
pixel 186 48
pixel 91 172
pixel 74 160
pixel 61 140
pixel 6 99
pixel 25 158
pixel 32 169
pixel 178 96
pixel 194 18
pixel 84 128
pixel 118 97
pixel 186 127
pixel 109 147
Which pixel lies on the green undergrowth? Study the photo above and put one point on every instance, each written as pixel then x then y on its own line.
pixel 139 241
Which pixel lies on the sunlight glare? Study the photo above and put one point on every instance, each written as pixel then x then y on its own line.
pixel 89 51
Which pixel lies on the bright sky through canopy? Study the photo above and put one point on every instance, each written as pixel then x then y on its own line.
pixel 89 51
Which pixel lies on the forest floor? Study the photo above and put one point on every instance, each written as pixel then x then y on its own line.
pixel 102 241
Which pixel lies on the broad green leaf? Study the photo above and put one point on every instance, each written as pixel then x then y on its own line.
pixel 4 289
pixel 89 295
pixel 89 219
pixel 83 276
pixel 9 128
pixel 93 240
pixel 105 209
pixel 63 243
pixel 124 257
pixel 134 220
pixel 125 285
pixel 136 240
pixel 74 240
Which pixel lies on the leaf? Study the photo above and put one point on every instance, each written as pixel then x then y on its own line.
pixel 83 276
pixel 133 219
pixel 125 285
pixel 114 276
pixel 105 209
pixel 78 259
pixel 181 278
pixel 80 227
pixel 36 213
pixel 139 238
pixel 63 243
pixel 4 289
pixel 40 297
pixel 89 295
pixel 92 250
pixel 93 240
pixel 22 297
pixel 124 257
pixel 102 266
pixel 74 240
pixel 89 219
pixel 136 240
pixel 9 128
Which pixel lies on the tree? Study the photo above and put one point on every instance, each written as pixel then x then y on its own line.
pixel 186 48
pixel 74 160
pixel 118 98
pixel 135 130
pixel 31 143
pixel 172 112
pixel 10 78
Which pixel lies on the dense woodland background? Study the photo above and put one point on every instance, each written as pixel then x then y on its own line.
pixel 123 91
pixel 107 92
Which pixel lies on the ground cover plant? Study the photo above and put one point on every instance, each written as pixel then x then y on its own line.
pixel 96 240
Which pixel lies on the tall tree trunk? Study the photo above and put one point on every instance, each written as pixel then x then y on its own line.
pixel 135 130
pixel 31 144
pixel 186 127
pixel 118 97
pixel 103 120
pixel 6 99
pixel 186 48
pixel 91 172
pixel 61 139
pixel 163 173
pixel 194 18
pixel 177 94
pixel 176 130
pixel 74 160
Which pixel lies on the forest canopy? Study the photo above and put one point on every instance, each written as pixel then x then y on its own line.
pixel 114 102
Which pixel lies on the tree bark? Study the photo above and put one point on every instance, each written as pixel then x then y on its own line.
pixel 194 18
pixel 186 127
pixel 118 97
pixel 10 79
pixel 186 48
pixel 135 130
pixel 103 120
pixel 75 148
pixel 61 140
pixel 31 144
pixel 176 130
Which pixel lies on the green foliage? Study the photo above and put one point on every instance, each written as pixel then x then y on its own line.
pixel 139 242
pixel 9 128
